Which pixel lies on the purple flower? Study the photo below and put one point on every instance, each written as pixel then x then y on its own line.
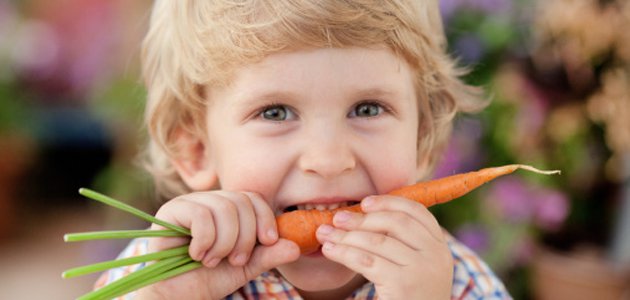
pixel 68 49
pixel 512 200
pixel 490 6
pixel 37 50
pixel 474 236
pixel 533 112
pixel 449 7
pixel 515 200
pixel 552 208
pixel 469 48
pixel 92 43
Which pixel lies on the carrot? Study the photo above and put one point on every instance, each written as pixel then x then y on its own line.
pixel 300 225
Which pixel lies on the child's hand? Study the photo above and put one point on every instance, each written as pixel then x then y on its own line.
pixel 397 244
pixel 224 227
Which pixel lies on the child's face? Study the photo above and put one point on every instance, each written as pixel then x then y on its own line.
pixel 317 126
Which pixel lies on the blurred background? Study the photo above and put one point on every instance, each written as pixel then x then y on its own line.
pixel 557 71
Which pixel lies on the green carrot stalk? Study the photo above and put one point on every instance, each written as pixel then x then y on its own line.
pixel 119 234
pixel 109 291
pixel 145 280
pixel 102 266
pixel 130 209
pixel 171 262
pixel 189 266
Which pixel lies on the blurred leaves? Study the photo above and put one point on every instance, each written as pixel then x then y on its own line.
pixel 69 82
pixel 558 74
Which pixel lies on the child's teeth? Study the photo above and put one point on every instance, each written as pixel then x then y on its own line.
pixel 321 207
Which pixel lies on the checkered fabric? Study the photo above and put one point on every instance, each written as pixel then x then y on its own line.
pixel 472 278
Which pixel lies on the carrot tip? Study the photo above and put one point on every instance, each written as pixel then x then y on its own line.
pixel 535 170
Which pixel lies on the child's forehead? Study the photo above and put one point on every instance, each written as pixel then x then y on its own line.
pixel 358 64
pixel 351 72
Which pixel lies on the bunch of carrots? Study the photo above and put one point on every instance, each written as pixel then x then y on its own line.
pixel 298 226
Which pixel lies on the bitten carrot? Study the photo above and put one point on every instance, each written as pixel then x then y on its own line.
pixel 300 225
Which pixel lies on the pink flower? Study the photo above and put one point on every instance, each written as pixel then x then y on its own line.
pixel 511 199
pixel 475 236
pixel 552 208
pixel 515 200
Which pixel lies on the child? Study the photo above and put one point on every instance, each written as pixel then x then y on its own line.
pixel 256 108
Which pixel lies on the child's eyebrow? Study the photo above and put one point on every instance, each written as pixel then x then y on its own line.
pixel 248 99
pixel 254 98
pixel 376 92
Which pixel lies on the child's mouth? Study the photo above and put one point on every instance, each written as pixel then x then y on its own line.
pixel 320 207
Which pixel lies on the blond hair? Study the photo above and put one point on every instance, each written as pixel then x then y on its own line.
pixel 194 44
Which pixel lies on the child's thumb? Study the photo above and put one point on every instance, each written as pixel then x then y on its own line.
pixel 265 258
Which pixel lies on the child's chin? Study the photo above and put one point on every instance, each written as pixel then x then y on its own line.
pixel 314 272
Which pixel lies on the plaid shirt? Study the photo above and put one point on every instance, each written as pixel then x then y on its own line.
pixel 472 279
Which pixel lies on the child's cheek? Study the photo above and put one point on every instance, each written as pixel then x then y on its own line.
pixel 250 180
pixel 392 178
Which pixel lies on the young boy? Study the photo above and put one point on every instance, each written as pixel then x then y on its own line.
pixel 256 108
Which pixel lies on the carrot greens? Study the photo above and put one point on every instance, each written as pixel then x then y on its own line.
pixel 130 209
pixel 160 265
pixel 102 266
pixel 119 234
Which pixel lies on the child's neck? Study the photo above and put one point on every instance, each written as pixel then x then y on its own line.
pixel 341 293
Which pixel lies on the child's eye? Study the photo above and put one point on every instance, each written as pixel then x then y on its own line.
pixel 276 113
pixel 366 110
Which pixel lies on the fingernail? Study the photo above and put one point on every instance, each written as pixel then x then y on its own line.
pixel 213 262
pixel 272 234
pixel 199 256
pixel 325 229
pixel 328 246
pixel 369 201
pixel 240 259
pixel 342 217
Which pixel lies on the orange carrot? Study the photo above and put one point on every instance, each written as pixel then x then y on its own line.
pixel 300 225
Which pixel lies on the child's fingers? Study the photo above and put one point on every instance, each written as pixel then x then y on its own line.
pixel 398 225
pixel 225 215
pixel 265 258
pixel 266 227
pixel 213 222
pixel 202 230
pixel 255 219
pixel 368 264
pixel 240 239
pixel 412 208
pixel 378 244
pixel 190 215
pixel 246 239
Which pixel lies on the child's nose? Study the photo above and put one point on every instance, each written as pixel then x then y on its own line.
pixel 327 155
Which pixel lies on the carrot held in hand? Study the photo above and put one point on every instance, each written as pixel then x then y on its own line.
pixel 300 225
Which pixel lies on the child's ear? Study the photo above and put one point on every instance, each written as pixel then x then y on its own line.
pixel 192 162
